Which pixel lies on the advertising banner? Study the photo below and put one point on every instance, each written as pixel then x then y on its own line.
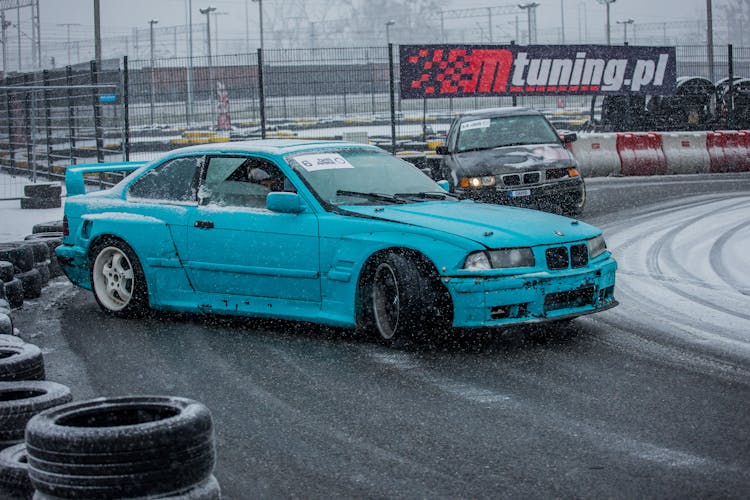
pixel 439 71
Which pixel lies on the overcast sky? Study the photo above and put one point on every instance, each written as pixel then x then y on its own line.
pixel 121 15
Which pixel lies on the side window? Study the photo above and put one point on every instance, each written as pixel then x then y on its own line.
pixel 175 180
pixel 242 181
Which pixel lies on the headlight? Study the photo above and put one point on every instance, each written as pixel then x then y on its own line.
pixel 477 182
pixel 500 259
pixel 597 246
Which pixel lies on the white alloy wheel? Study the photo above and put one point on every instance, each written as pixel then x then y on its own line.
pixel 113 278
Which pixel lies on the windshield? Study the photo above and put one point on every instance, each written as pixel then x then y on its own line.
pixel 363 177
pixel 490 133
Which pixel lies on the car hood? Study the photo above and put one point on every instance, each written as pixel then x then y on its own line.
pixel 512 159
pixel 494 226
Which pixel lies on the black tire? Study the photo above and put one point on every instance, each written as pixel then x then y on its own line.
pixel 10 340
pixel 21 362
pixel 6 271
pixel 6 324
pixel 20 255
pixel 22 400
pixel 14 473
pixel 14 293
pixel 55 226
pixel 44 272
pixel 39 248
pixel 44 236
pixel 121 447
pixel 129 294
pixel 32 283
pixel 207 490
pixel 400 302
pixel 2 292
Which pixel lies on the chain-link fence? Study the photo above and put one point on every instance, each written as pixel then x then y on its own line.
pixel 136 109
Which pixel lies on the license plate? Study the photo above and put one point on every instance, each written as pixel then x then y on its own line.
pixel 520 193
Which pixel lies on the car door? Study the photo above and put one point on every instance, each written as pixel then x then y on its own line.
pixel 236 246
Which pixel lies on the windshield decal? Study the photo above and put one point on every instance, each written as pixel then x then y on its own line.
pixel 475 124
pixel 323 161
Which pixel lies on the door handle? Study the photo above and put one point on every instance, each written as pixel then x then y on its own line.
pixel 204 224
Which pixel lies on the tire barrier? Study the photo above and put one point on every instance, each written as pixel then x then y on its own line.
pixel 641 154
pixel 42 196
pixel 55 226
pixel 14 473
pixel 6 323
pixel 597 154
pixel 21 256
pixel 22 400
pixel 14 293
pixel 134 446
pixel 32 283
pixel 6 271
pixel 662 153
pixel 52 239
pixel 21 362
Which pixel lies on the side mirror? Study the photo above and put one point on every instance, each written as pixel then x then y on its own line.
pixel 570 138
pixel 445 185
pixel 442 150
pixel 285 203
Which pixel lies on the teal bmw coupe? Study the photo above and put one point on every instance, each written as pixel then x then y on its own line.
pixel 331 232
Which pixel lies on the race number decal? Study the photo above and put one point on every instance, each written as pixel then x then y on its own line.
pixel 323 161
pixel 475 124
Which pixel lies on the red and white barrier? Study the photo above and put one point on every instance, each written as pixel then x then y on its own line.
pixel 597 154
pixel 641 154
pixel 651 153
pixel 686 152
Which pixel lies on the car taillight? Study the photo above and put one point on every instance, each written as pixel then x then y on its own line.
pixel 66 229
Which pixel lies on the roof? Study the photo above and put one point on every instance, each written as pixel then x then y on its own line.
pixel 495 112
pixel 270 146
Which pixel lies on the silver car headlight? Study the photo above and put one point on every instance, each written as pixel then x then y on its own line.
pixel 500 259
pixel 597 246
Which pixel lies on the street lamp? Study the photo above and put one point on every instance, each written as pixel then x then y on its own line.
pixel 710 37
pixel 625 27
pixel 530 9
pixel 388 25
pixel 260 15
pixel 151 39
pixel 607 3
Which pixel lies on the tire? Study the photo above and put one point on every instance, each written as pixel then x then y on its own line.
pixel 44 272
pixel 14 473
pixel 6 271
pixel 207 490
pixel 14 293
pixel 20 255
pixel 121 447
pixel 38 248
pixel 399 301
pixel 32 283
pixel 21 362
pixel 10 340
pixel 44 236
pixel 22 400
pixel 6 324
pixel 2 293
pixel 55 226
pixel 117 279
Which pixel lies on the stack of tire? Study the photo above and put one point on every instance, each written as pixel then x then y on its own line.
pixel 27 266
pixel 24 393
pixel 42 196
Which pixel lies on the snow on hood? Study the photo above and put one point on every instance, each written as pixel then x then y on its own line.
pixel 511 159
pixel 494 226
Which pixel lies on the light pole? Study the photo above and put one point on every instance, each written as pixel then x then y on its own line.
pixel 388 25
pixel 260 16
pixel 4 25
pixel 151 39
pixel 607 3
pixel 562 20
pixel 530 9
pixel 189 110
pixel 625 27
pixel 710 38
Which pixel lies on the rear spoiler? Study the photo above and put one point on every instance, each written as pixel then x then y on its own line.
pixel 74 175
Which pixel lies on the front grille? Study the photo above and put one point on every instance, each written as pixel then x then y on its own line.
pixel 567 300
pixel 557 258
pixel 512 180
pixel 532 178
pixel 579 256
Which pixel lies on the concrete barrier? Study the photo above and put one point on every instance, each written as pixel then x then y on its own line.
pixel 641 154
pixel 597 154
pixel 729 150
pixel 686 152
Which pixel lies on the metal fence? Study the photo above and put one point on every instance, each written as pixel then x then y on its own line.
pixel 136 109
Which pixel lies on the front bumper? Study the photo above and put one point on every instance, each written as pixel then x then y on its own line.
pixel 485 301
pixel 542 196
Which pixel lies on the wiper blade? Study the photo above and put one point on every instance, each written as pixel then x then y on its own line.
pixel 370 196
pixel 427 195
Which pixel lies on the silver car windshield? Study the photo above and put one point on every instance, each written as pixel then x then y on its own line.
pixel 491 133
pixel 350 176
